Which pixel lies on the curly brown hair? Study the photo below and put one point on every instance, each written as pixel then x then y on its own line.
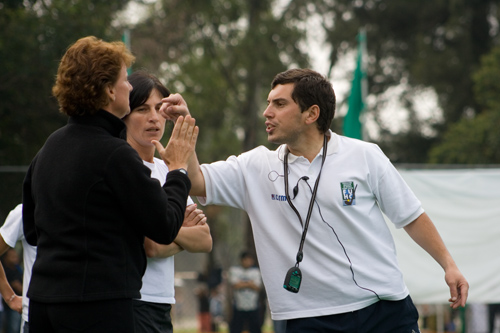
pixel 86 69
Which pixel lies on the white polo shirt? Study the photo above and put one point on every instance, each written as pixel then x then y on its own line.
pixel 340 223
pixel 158 280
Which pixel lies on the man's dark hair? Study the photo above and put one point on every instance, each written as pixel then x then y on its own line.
pixel 310 88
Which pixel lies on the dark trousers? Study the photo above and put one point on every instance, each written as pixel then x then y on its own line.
pixel 240 318
pixel 494 310
pixel 381 317
pixel 152 317
pixel 83 317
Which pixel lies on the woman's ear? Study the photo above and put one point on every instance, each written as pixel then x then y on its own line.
pixel 312 114
pixel 110 91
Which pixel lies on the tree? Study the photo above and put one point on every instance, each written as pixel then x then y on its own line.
pixel 476 140
pixel 34 36
pixel 425 43
pixel 470 141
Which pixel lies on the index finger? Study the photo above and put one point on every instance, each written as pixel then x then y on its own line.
pixel 174 99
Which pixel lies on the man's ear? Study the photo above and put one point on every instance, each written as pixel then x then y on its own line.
pixel 312 114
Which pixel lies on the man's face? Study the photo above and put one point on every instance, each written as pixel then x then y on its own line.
pixel 284 119
pixel 247 262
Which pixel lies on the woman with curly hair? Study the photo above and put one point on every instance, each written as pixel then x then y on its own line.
pixel 89 201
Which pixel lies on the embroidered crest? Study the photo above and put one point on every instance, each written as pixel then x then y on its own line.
pixel 348 193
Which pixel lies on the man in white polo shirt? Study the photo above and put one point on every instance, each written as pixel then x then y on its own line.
pixel 326 255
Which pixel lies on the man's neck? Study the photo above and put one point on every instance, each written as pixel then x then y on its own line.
pixel 309 147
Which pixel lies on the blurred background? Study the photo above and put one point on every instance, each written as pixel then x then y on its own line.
pixel 419 78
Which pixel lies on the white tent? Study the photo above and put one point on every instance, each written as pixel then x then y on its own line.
pixel 464 204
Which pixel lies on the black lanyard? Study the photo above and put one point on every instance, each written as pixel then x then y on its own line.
pixel 311 204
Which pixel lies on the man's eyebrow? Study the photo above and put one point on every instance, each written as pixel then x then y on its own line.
pixel 278 99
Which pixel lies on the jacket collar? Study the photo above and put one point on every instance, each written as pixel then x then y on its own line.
pixel 109 122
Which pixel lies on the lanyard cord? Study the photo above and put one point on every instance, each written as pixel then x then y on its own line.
pixel 300 254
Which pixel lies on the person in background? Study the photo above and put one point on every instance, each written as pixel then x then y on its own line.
pixel 204 316
pixel 89 201
pixel 144 124
pixel 316 206
pixel 216 306
pixel 246 284
pixel 10 233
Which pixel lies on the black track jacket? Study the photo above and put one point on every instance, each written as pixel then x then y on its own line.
pixel 88 202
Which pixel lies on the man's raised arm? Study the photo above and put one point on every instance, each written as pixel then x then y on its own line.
pixel 173 107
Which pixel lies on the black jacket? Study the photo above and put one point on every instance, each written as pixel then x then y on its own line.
pixel 88 202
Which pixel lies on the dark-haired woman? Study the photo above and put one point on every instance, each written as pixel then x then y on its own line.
pixel 145 124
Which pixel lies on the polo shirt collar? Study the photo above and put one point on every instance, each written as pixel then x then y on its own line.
pixel 333 147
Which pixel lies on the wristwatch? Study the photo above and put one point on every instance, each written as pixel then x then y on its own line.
pixel 184 171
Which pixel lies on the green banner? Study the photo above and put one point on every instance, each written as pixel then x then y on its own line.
pixel 352 124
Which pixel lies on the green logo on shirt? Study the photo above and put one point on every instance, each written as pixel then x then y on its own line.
pixel 348 193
